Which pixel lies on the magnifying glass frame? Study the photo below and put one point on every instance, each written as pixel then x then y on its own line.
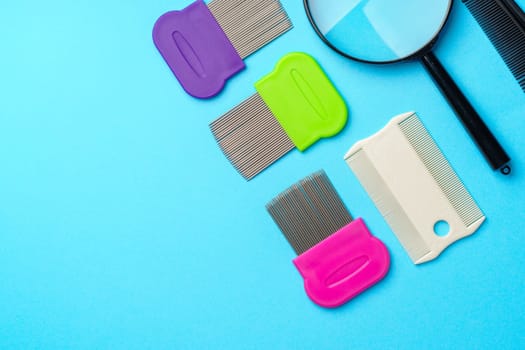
pixel 417 54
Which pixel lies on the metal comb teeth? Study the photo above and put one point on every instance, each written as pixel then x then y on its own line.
pixel 250 24
pixel 309 211
pixel 504 24
pixel 250 137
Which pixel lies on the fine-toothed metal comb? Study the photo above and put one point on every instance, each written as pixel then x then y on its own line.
pixel 338 258
pixel 503 21
pixel 295 106
pixel 205 45
pixel 414 187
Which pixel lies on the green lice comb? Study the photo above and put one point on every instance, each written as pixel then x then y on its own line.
pixel 295 106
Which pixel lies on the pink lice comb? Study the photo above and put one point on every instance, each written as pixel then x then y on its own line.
pixel 338 258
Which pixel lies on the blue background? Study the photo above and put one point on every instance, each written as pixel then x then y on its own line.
pixel 123 226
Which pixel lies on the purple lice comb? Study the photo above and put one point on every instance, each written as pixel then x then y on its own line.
pixel 205 45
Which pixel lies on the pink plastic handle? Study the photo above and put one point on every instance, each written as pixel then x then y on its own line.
pixel 343 265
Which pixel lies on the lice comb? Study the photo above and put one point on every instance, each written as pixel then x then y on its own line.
pixel 414 187
pixel 503 21
pixel 338 258
pixel 205 45
pixel 295 106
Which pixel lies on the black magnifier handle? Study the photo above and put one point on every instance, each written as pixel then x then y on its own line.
pixel 480 133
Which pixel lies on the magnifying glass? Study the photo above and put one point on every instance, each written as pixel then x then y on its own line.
pixel 388 31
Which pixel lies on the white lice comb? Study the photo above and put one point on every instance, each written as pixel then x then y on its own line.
pixel 414 187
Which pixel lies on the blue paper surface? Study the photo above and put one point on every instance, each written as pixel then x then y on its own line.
pixel 123 226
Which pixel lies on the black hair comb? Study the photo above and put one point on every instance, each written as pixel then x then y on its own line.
pixel 503 21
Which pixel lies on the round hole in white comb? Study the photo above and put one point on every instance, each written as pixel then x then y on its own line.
pixel 441 228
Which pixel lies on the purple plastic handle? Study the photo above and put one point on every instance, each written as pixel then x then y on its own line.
pixel 196 49
pixel 343 265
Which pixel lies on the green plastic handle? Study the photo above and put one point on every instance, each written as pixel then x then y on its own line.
pixel 303 100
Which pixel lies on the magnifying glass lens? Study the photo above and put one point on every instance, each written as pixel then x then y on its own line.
pixel 384 31
pixel 379 30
